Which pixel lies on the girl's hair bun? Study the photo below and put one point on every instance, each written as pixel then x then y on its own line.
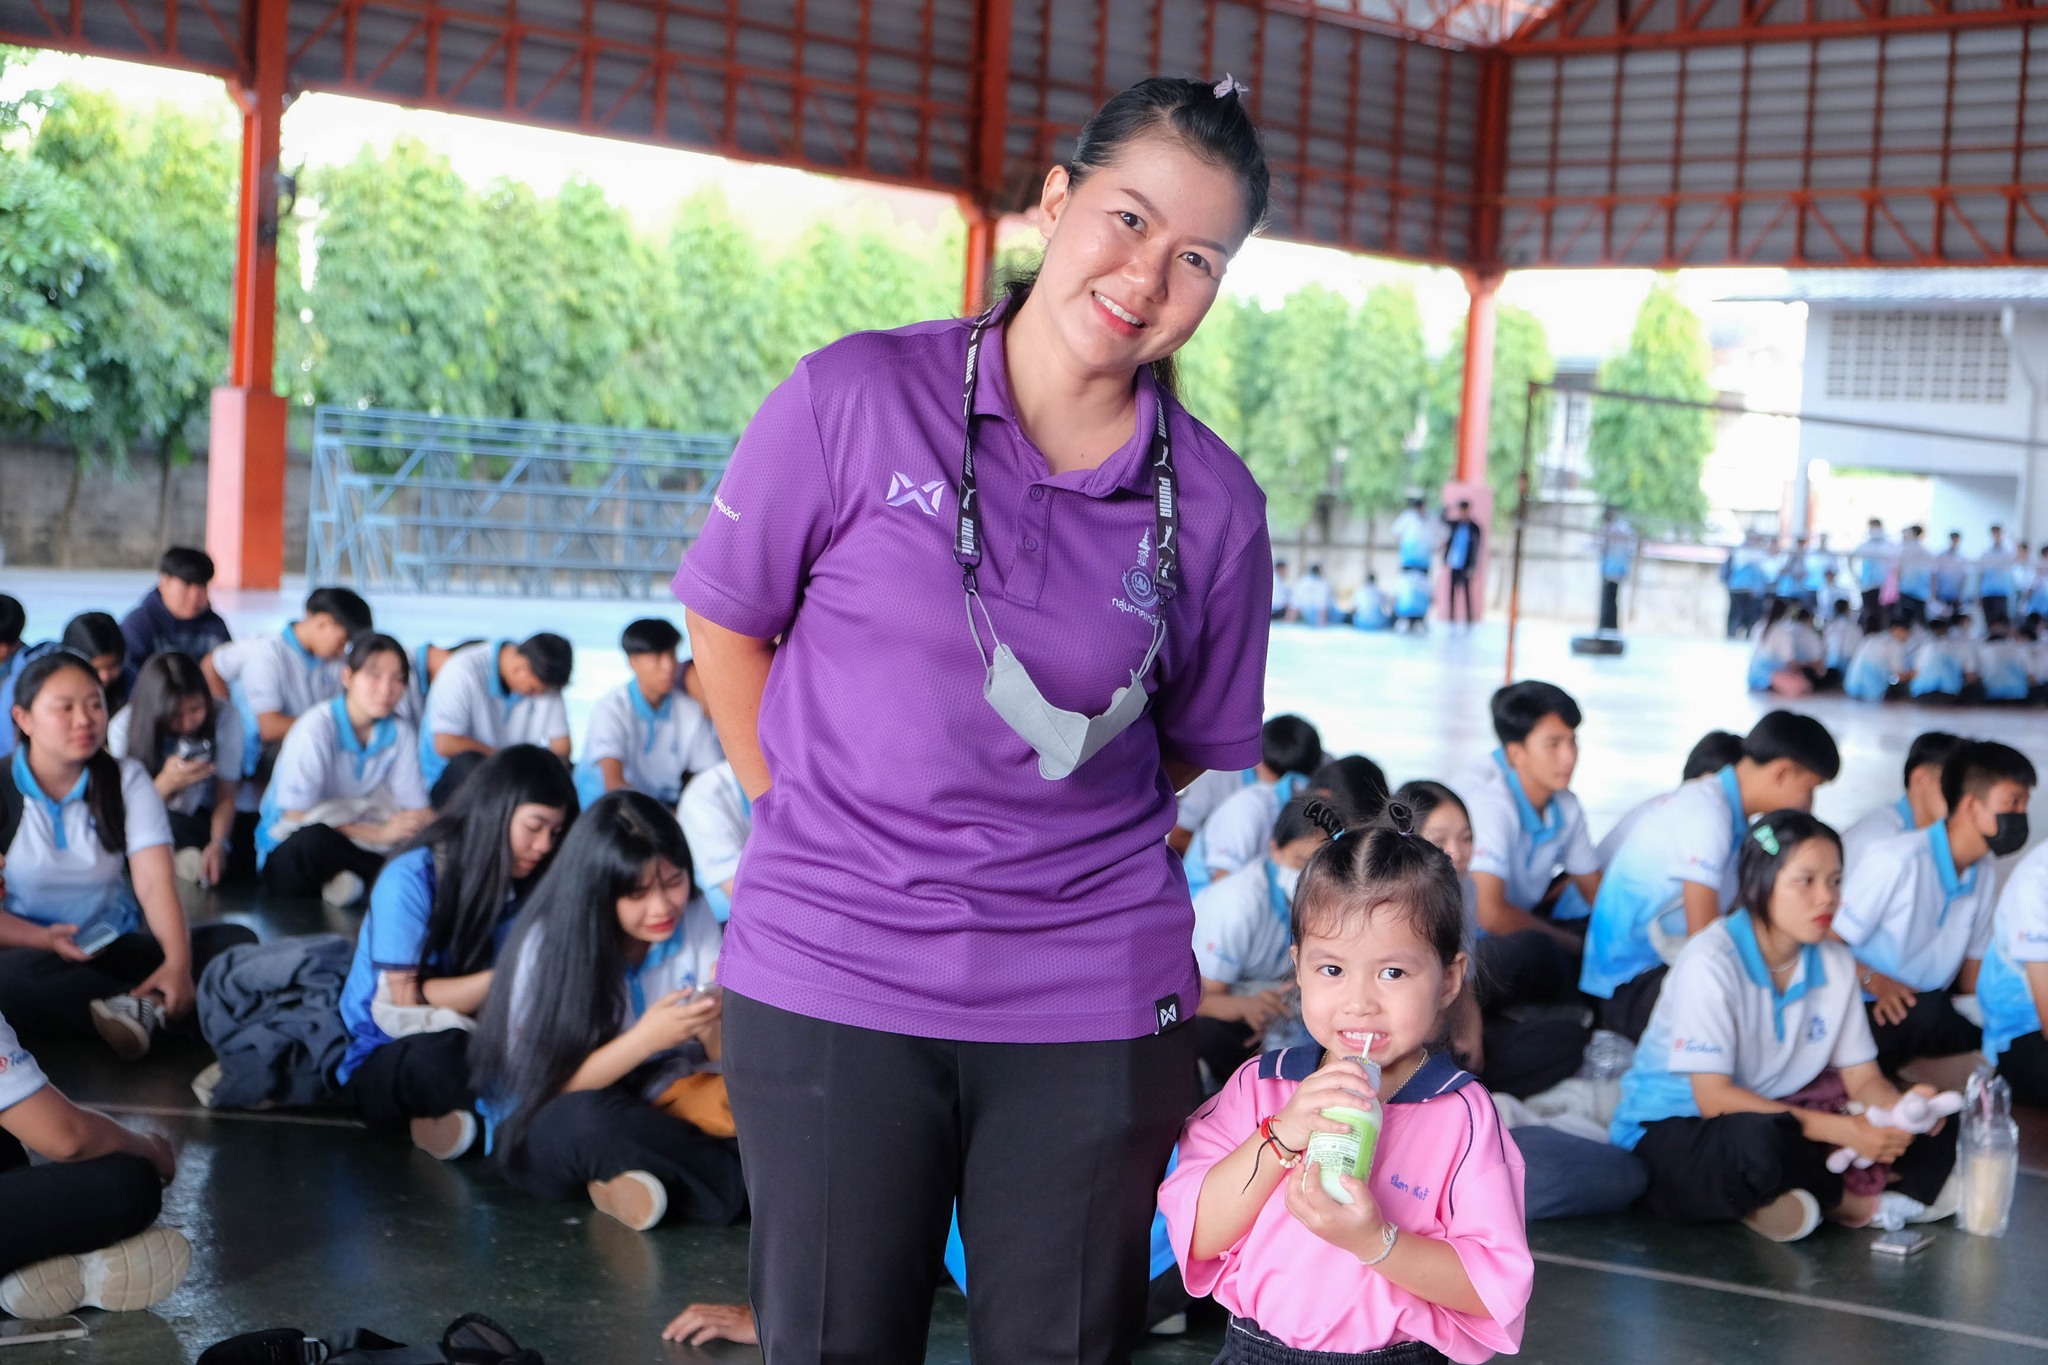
pixel 1400 817
pixel 1326 818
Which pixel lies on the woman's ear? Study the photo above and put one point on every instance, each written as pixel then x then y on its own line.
pixel 1052 199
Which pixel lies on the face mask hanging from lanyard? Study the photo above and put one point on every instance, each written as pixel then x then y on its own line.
pixel 1062 739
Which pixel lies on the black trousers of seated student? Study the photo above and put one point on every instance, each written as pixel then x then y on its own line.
pixel 858 1142
pixel 1627 1011
pixel 2024 1065
pixel 44 996
pixel 313 855
pixel 1526 1055
pixel 1931 1028
pixel 67 1208
pixel 420 1076
pixel 1715 1170
pixel 196 831
pixel 588 1135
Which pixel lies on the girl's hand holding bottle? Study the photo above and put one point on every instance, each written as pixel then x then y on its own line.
pixel 1339 1085
pixel 1356 1227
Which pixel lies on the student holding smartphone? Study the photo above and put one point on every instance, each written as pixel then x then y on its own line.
pixel 88 861
pixel 191 747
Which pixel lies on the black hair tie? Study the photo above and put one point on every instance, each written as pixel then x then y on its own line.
pixel 1324 816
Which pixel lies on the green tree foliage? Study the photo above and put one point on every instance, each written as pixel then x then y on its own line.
pixel 1647 459
pixel 50 253
pixel 1521 353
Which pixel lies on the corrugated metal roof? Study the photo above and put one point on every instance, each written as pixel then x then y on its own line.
pixel 1907 286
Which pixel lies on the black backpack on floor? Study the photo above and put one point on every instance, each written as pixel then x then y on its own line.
pixel 472 1339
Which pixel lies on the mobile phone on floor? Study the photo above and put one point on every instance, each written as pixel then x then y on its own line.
pixel 1905 1242
pixel 25 1331
pixel 95 939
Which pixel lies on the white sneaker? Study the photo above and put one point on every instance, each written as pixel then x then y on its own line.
pixel 205 1083
pixel 144 1270
pixel 1788 1218
pixel 445 1136
pixel 342 890
pixel 191 865
pixel 1173 1326
pixel 128 1023
pixel 635 1198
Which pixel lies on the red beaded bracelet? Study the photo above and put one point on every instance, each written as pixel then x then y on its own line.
pixel 1289 1158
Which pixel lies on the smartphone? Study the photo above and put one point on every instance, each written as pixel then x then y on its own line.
pixel 1905 1242
pixel 97 937
pixel 193 749
pixel 23 1331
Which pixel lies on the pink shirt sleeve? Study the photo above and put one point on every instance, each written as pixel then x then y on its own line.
pixel 1484 1222
pixel 1213 1132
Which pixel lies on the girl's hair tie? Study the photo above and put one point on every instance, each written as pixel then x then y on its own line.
pixel 1230 85
pixel 1767 837
pixel 1401 817
pixel 1324 816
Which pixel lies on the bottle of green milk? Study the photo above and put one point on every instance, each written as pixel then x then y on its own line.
pixel 1339 1154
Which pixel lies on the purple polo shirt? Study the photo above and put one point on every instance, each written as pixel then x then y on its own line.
pixel 910 871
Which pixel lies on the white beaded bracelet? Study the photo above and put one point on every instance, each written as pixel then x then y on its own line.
pixel 1387 1240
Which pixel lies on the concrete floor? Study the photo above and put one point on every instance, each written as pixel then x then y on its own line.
pixel 303 1220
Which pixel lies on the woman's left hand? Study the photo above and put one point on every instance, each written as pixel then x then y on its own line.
pixel 1356 1227
pixel 172 985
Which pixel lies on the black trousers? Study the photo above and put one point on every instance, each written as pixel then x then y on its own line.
pixel 1610 605
pixel 591 1135
pixel 1526 968
pixel 191 831
pixel 1997 610
pixel 312 856
pixel 65 1208
pixel 2025 1068
pixel 44 996
pixel 1931 1028
pixel 1712 1170
pixel 1461 585
pixel 420 1076
pixel 1911 610
pixel 1246 1343
pixel 1873 609
pixel 857 1144
pixel 1627 1011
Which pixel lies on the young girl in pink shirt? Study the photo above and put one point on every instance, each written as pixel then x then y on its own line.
pixel 1429 1260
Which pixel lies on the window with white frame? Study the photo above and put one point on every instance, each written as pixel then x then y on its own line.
pixel 1916 356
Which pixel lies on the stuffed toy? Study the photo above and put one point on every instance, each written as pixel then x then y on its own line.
pixel 1912 1114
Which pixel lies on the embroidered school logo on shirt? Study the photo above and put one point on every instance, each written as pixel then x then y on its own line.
pixel 1419 1191
pixel 1695 1047
pixel 1138 583
pixel 926 497
pixel 1816 1029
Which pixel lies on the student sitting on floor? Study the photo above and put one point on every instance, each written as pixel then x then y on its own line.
pixel 716 817
pixel 78 1231
pixel 1371 607
pixel 1945 665
pixel 1676 874
pixel 1882 666
pixel 347 787
pixel 608 1016
pixel 191 747
pixel 2012 989
pixel 13 620
pixel 1917 908
pixel 649 733
pixel 490 696
pixel 1839 639
pixel 176 617
pixel 1290 751
pixel 1432 1247
pixel 274 679
pixel 77 825
pixel 438 917
pixel 427 662
pixel 2002 664
pixel 1528 833
pixel 1790 656
pixel 1715 750
pixel 1921 806
pixel 1193 805
pixel 92 636
pixel 1242 947
pixel 1758 1043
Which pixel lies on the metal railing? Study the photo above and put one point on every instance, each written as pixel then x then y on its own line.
pixel 409 502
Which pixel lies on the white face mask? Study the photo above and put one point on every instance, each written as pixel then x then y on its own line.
pixel 1063 740
pixel 1286 879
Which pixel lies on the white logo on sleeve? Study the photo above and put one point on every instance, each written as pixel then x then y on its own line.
pixel 926 498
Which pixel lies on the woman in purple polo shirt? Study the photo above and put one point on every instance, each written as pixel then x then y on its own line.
pixel 1020 596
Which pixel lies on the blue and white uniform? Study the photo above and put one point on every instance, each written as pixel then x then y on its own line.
pixel 227 757
pixel 1994 572
pixel 1512 842
pixel 1839 642
pixel 1784 645
pixel 57 870
pixel 1942 664
pixel 1720 1015
pixel 1876 662
pixel 273 673
pixel 470 699
pixel 2019 938
pixel 322 760
pixel 1692 839
pixel 1242 929
pixel 656 745
pixel 2002 666
pixel 1910 914
pixel 1873 561
pixel 1240 831
pixel 1916 569
pixel 1886 822
pixel 1416 539
pixel 1193 807
pixel 716 817
pixel 20 1076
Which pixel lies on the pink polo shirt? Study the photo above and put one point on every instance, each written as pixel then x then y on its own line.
pixel 1445 1168
pixel 910 870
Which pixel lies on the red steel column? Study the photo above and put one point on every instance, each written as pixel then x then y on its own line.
pixel 1475 398
pixel 245 449
pixel 981 257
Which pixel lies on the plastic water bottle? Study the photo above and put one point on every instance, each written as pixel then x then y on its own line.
pixel 1337 1155
pixel 1988 1155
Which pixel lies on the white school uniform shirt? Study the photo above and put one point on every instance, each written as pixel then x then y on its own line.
pixel 276 673
pixel 470 699
pixel 1242 930
pixel 227 756
pixel 2019 936
pixel 1909 914
pixel 2002 665
pixel 322 760
pixel 20 1077
pixel 1206 793
pixel 1238 834
pixel 57 870
pixel 1311 594
pixel 1720 1014
pixel 1512 842
pixel 1839 641
pixel 656 744
pixel 1886 822
pixel 1693 838
pixel 1611 843
pixel 716 817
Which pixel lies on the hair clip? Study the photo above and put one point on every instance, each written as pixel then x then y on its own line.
pixel 1230 85
pixel 1767 837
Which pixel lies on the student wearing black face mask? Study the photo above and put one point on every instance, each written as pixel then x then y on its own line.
pixel 1917 907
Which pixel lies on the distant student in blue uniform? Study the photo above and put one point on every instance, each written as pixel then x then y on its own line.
pixel 1235 834
pixel 191 746
pixel 494 694
pixel 609 1005
pixel 425 955
pixel 275 679
pixel 1921 805
pixel 1675 874
pixel 649 733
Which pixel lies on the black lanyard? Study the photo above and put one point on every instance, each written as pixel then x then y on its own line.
pixel 1165 489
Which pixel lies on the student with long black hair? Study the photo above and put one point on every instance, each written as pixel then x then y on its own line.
pixel 609 1002
pixel 92 636
pixel 88 855
pixel 191 747
pixel 424 960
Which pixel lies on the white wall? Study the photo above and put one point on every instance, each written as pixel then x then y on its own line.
pixel 1972 504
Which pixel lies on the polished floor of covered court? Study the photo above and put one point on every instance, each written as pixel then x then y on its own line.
pixel 304 1220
